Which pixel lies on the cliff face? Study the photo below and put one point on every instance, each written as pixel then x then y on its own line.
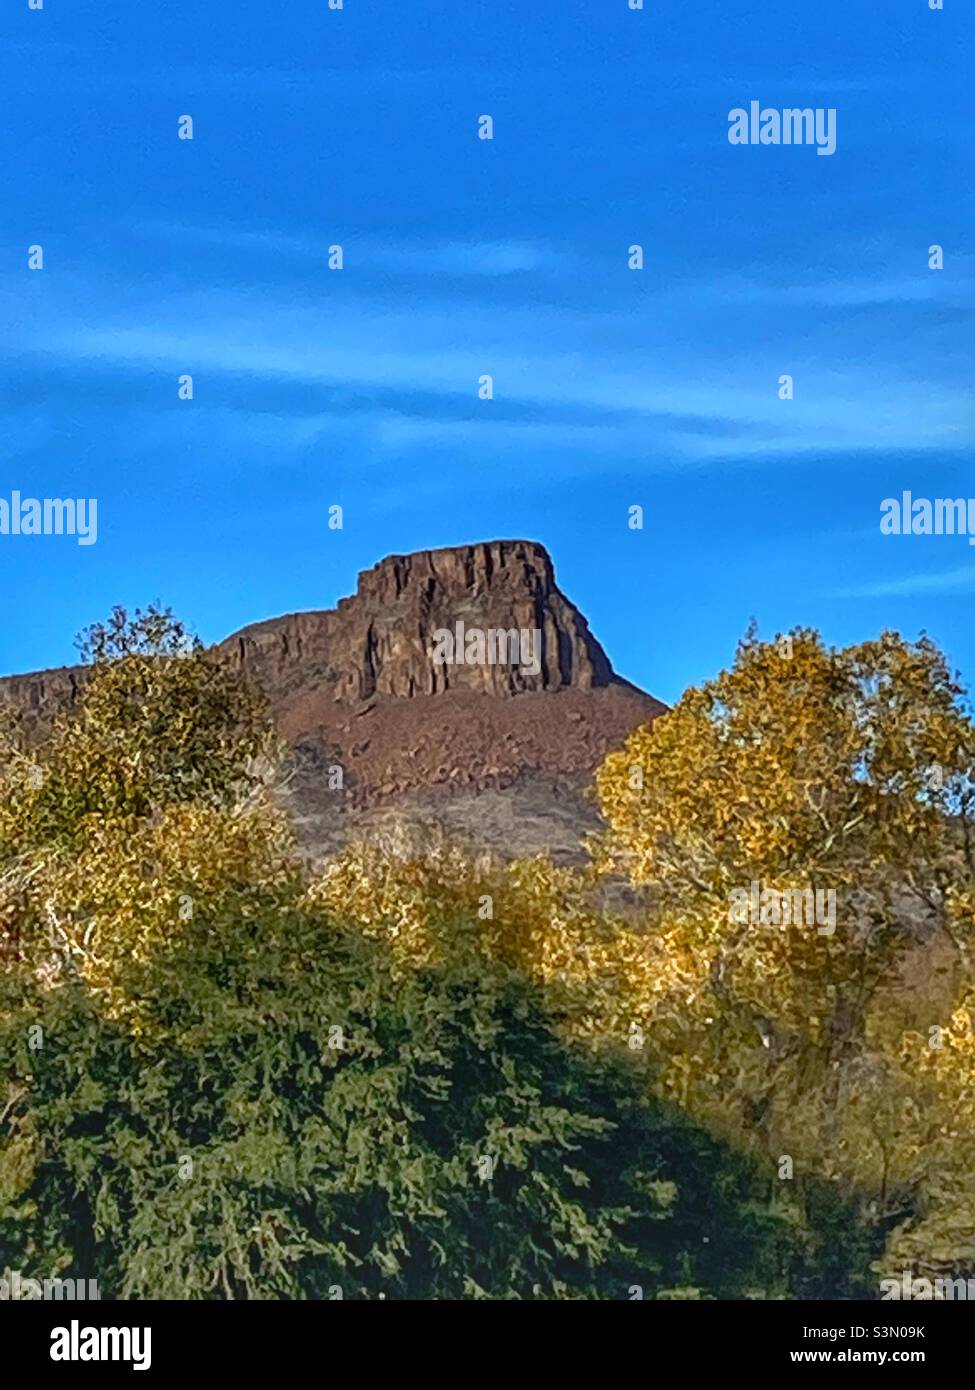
pixel 501 749
pixel 382 640
pixel 41 694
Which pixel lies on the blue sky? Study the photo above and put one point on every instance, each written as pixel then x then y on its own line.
pixel 612 387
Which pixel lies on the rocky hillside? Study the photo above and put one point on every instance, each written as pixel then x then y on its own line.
pixel 501 750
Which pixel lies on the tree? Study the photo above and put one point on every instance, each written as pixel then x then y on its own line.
pixel 935 1239
pixel 164 760
pixel 159 721
pixel 297 1119
pixel 803 778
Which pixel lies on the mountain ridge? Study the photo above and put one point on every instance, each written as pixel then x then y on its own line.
pixel 358 692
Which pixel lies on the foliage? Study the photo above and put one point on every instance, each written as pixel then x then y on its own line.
pixel 417 1073
pixel 159 721
pixel 296 1118
pixel 424 896
pixel 847 772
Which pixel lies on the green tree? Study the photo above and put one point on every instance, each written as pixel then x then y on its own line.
pixel 297 1117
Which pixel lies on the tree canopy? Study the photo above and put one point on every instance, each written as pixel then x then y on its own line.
pixel 416 1072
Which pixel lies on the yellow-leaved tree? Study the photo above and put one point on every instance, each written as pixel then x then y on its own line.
pixel 803 823
pixel 144 800
pixel 428 897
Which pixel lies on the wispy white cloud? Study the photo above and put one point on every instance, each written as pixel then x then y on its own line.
pixel 759 286
pixel 469 258
pixel 727 408
pixel 639 380
pixel 865 291
pixel 459 259
pixel 954 581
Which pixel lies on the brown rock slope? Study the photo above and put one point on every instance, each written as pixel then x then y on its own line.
pixel 500 752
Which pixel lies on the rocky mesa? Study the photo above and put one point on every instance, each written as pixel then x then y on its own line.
pixel 381 726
